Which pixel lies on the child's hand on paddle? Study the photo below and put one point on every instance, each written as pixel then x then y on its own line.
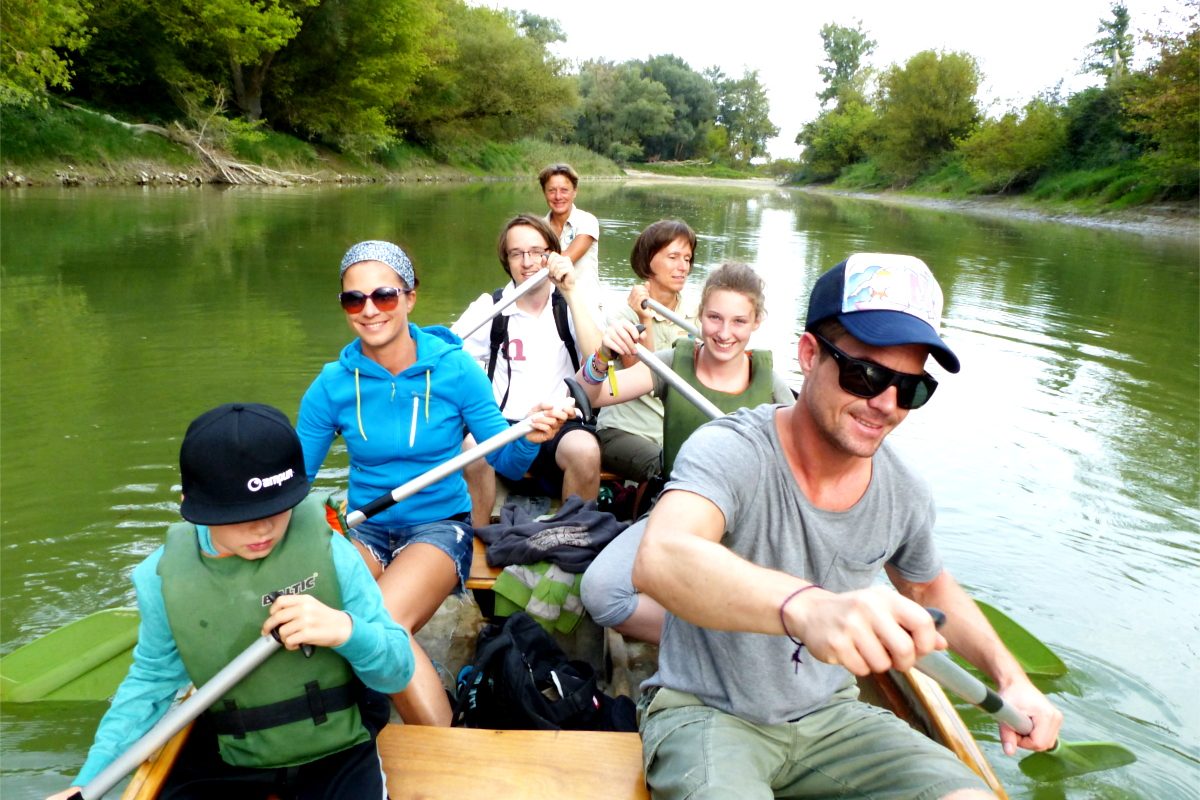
pixel 300 619
pixel 547 418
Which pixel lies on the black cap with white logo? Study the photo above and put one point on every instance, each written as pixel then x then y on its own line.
pixel 240 462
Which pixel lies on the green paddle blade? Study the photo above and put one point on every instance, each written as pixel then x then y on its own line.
pixel 1033 656
pixel 84 660
pixel 1068 759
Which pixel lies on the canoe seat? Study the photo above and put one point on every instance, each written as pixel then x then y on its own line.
pixel 432 763
pixel 483 576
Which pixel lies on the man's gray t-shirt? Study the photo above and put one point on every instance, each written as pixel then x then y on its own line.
pixel 737 463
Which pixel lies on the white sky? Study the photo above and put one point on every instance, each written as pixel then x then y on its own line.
pixel 1023 46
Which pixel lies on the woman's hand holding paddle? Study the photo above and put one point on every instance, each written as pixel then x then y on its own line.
pixel 637 295
pixel 621 338
pixel 546 418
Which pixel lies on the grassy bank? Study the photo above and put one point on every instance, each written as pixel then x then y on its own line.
pixel 1125 187
pixel 59 144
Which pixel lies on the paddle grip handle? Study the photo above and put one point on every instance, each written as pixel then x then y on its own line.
pixel 582 403
pixel 307 649
pixel 381 503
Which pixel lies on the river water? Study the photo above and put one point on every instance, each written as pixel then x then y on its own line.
pixel 1064 457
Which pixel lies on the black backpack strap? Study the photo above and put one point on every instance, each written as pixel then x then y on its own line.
pixel 562 320
pixel 499 338
pixel 499 344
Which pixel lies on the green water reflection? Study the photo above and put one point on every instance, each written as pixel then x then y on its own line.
pixel 1064 456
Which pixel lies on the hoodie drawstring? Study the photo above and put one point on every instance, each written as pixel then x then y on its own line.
pixel 412 431
pixel 358 405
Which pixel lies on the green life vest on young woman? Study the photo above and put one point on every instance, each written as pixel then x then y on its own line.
pixel 680 415
pixel 290 710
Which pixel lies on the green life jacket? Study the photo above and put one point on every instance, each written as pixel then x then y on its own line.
pixel 290 710
pixel 681 417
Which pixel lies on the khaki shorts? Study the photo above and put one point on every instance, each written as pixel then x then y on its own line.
pixel 846 749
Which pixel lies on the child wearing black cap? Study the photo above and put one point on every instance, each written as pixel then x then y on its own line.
pixel 256 555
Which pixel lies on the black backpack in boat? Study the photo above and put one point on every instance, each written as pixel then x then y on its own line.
pixel 522 680
pixel 499 337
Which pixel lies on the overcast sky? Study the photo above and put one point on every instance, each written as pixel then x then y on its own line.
pixel 1023 46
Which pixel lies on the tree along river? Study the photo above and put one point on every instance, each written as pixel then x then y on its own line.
pixel 1063 457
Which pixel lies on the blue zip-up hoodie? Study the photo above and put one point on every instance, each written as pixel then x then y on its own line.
pixel 397 427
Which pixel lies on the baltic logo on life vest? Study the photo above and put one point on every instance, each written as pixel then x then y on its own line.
pixel 254 484
pixel 299 587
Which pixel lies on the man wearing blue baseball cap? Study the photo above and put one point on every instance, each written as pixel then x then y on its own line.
pixel 764 547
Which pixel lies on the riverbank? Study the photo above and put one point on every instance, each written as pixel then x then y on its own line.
pixel 1163 219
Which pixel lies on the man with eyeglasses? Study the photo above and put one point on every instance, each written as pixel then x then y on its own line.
pixel 764 547
pixel 527 351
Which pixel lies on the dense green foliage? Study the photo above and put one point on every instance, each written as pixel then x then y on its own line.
pixel 412 84
pixel 32 35
pixel 1134 139
pixel 924 107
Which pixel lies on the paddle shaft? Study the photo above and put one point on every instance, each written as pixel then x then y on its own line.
pixel 678 384
pixel 938 666
pixel 507 300
pixel 174 720
pixel 354 518
pixel 667 313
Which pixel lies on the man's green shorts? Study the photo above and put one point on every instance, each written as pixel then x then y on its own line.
pixel 846 749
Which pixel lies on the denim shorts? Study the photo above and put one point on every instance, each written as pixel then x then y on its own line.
pixel 452 536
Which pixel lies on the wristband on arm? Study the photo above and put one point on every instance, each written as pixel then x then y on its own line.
pixel 783 621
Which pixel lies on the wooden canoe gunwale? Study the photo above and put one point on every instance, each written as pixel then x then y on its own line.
pixel 912 696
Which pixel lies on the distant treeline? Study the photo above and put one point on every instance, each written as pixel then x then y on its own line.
pixel 363 75
pixel 368 76
pixel 920 122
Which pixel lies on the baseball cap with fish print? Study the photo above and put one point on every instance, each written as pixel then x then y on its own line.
pixel 883 299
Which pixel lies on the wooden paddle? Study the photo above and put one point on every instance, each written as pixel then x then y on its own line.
pixel 1064 760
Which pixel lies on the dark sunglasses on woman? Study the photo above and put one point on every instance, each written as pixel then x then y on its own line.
pixel 385 298
pixel 868 379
